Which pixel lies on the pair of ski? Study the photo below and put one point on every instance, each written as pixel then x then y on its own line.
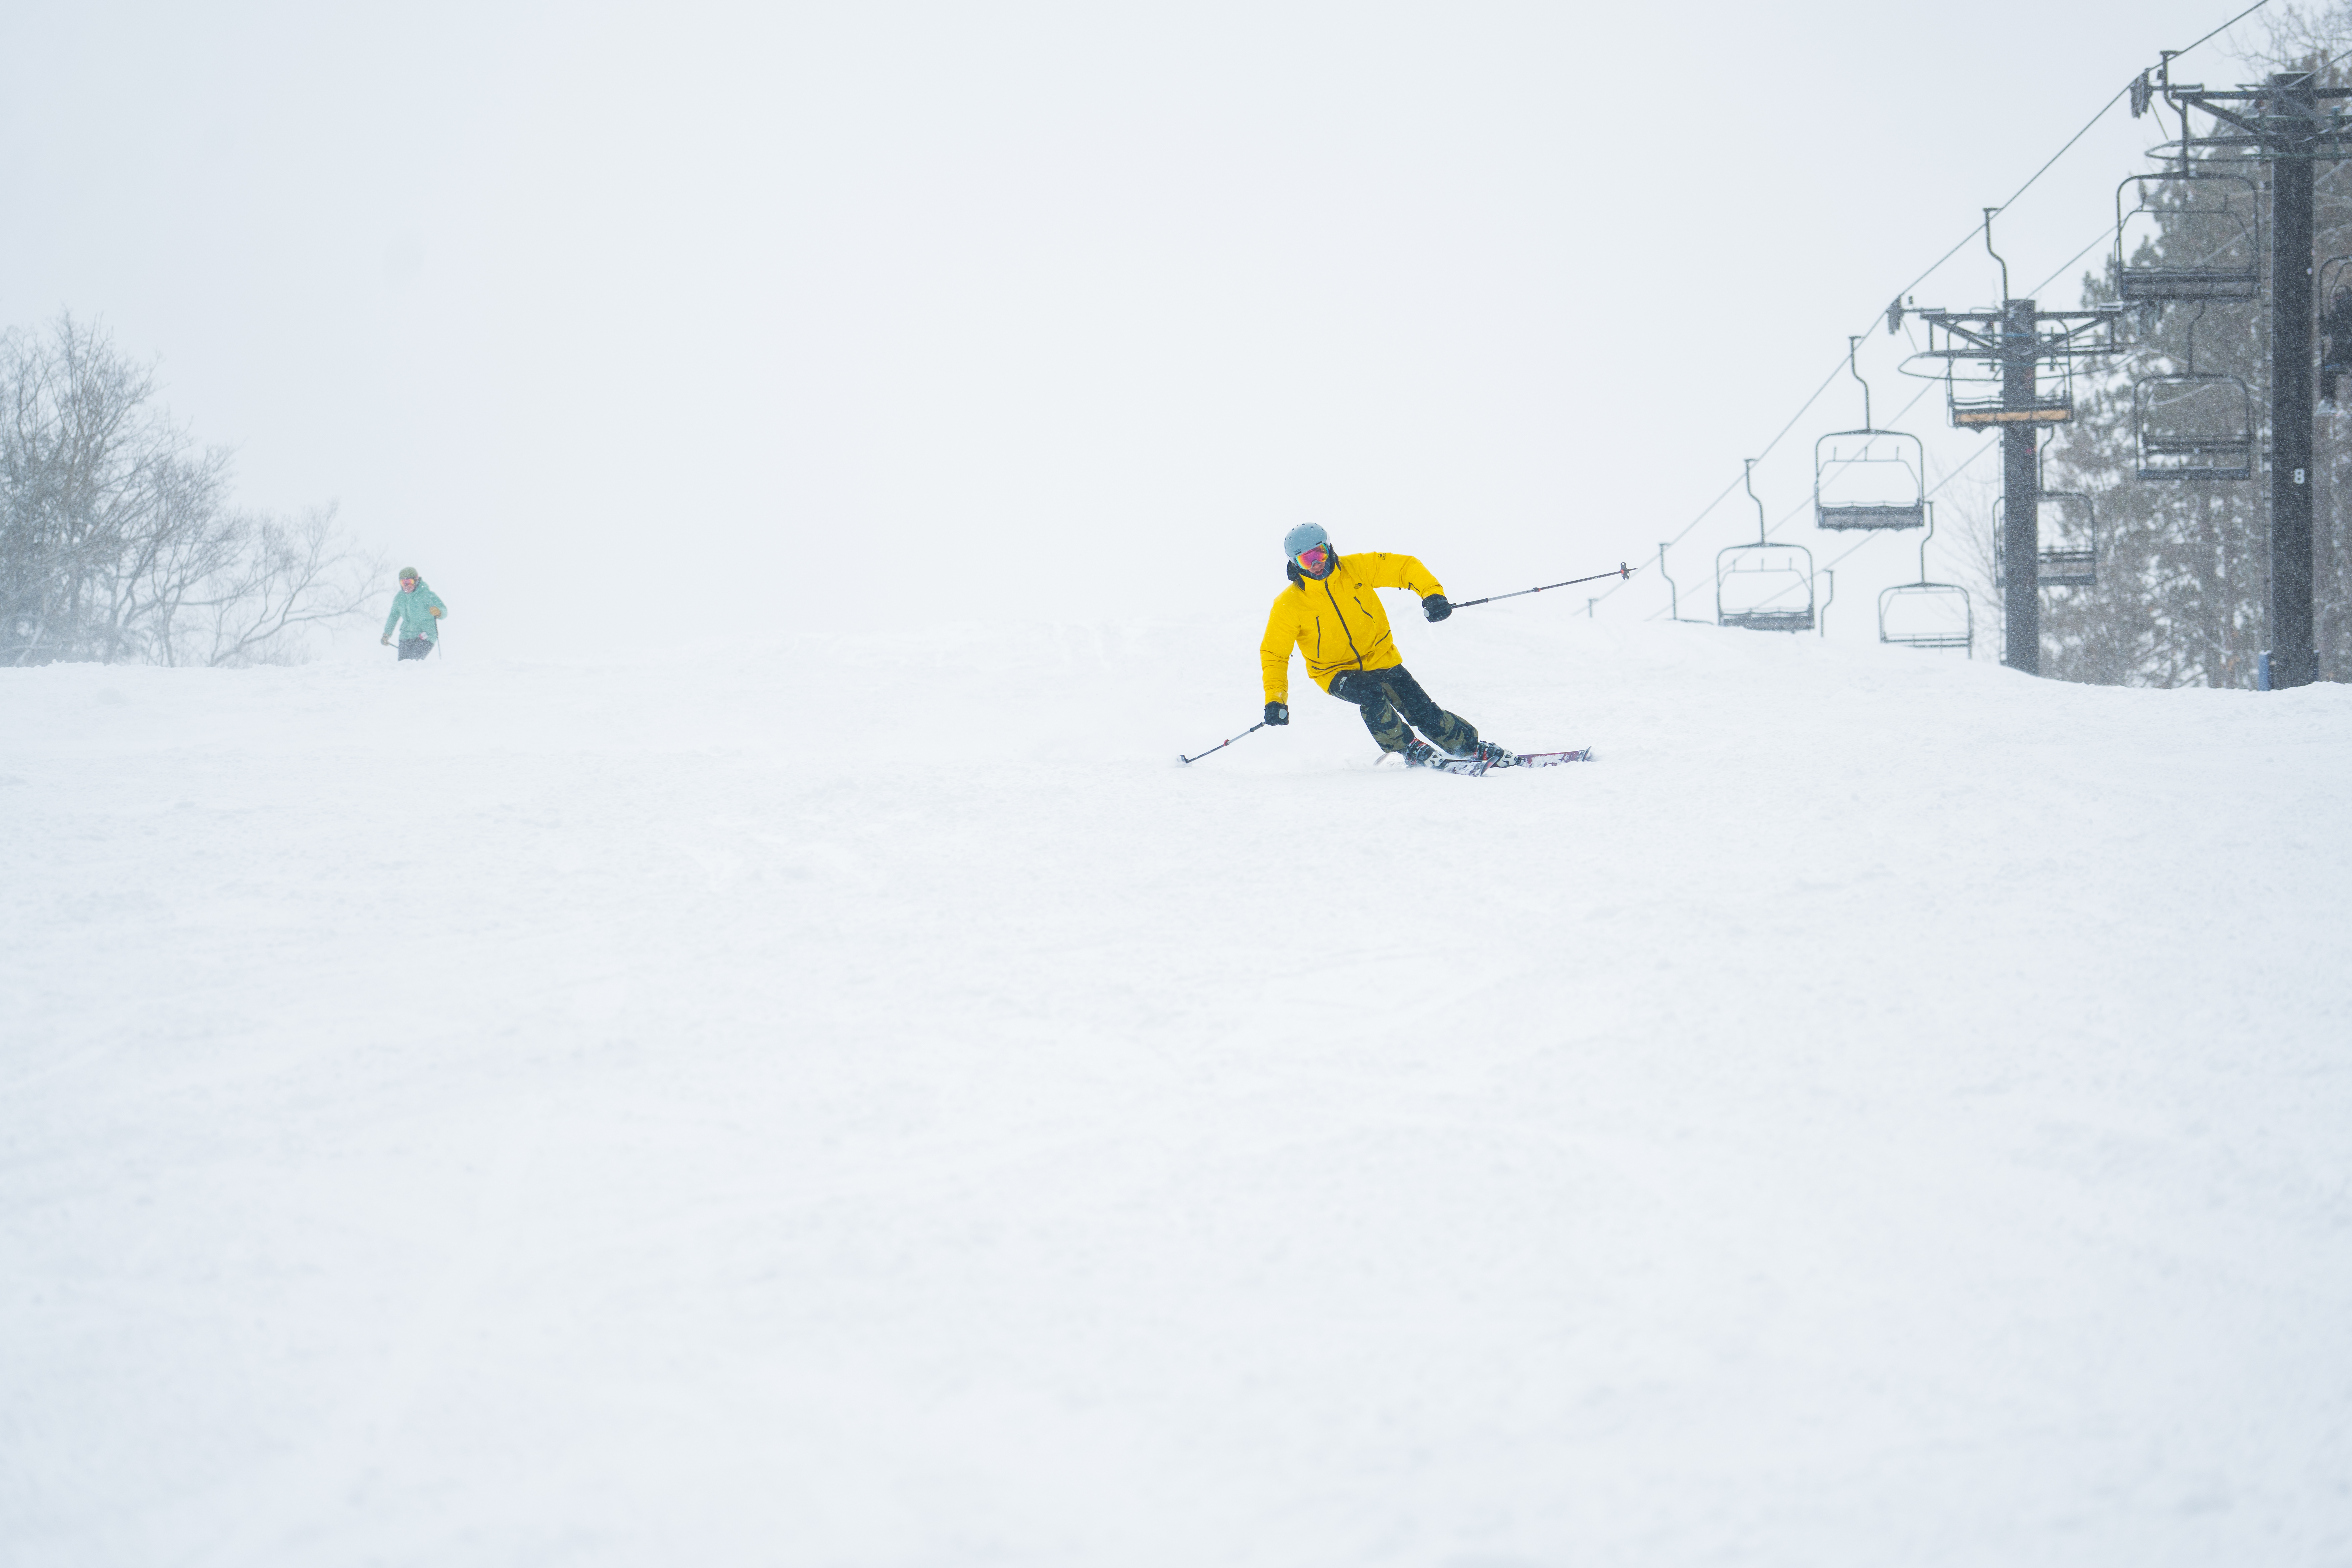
pixel 1473 767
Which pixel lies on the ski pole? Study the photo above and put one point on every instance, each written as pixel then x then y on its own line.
pixel 1223 744
pixel 1623 571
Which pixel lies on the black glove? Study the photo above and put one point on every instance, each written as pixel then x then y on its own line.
pixel 1436 607
pixel 1277 713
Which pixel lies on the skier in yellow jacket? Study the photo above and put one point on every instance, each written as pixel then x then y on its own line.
pixel 1332 616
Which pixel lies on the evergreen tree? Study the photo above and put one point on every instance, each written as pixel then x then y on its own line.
pixel 2183 588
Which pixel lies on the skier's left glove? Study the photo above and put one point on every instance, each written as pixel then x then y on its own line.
pixel 1277 713
pixel 1436 607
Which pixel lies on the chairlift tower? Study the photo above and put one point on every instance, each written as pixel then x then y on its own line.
pixel 2021 377
pixel 2288 123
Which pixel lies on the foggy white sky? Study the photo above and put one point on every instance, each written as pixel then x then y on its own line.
pixel 699 319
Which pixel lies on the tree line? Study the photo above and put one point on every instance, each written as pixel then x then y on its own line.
pixel 119 540
pixel 2183 589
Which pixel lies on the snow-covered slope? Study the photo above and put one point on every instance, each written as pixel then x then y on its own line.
pixel 860 1102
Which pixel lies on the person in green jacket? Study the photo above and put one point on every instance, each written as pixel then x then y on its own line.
pixel 417 611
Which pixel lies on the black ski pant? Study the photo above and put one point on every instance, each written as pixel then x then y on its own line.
pixel 1392 698
pixel 415 647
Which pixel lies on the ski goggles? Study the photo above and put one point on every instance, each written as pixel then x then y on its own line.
pixel 1314 558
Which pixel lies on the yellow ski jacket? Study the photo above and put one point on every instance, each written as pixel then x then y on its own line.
pixel 1338 624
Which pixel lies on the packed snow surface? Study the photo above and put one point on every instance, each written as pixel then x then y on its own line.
pixel 859 1101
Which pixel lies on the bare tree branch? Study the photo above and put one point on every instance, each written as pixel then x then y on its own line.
pixel 117 541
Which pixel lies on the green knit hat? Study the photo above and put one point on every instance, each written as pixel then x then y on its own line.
pixel 412 572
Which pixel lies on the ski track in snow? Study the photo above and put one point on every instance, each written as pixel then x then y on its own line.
pixel 861 1102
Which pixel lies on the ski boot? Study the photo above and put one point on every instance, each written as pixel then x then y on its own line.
pixel 1493 756
pixel 1418 753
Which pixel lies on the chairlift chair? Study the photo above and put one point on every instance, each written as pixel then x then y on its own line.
pixel 2071 564
pixel 2335 325
pixel 2194 427
pixel 1756 584
pixel 1927 614
pixel 2187 235
pixel 1868 478
pixel 2193 424
pixel 1919 615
